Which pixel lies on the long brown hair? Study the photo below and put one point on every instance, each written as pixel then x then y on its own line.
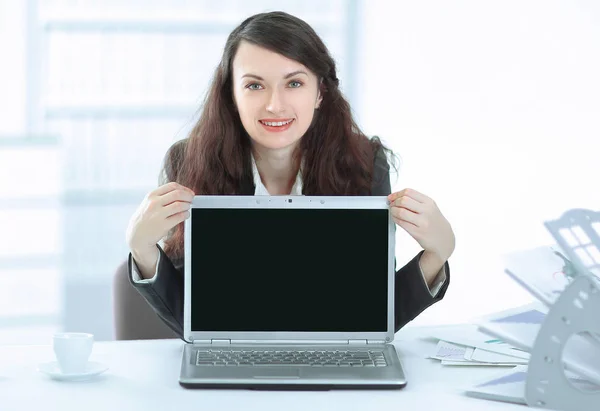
pixel 216 157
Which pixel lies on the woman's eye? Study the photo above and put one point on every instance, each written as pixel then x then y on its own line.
pixel 295 84
pixel 254 86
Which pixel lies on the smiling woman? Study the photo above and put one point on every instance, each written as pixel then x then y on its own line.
pixel 275 122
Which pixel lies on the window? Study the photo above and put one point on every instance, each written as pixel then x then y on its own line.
pixel 112 85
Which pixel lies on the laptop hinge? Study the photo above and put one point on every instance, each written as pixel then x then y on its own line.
pixel 357 342
pixel 220 342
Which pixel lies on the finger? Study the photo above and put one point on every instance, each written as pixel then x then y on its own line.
pixel 412 193
pixel 177 218
pixel 402 214
pixel 175 208
pixel 176 195
pixel 164 189
pixel 410 204
pixel 167 188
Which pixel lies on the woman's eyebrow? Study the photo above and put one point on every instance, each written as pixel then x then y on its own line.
pixel 253 76
pixel 292 74
pixel 295 73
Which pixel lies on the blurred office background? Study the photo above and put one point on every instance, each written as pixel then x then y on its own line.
pixel 493 108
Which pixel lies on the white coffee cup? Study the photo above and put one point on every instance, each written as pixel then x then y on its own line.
pixel 72 351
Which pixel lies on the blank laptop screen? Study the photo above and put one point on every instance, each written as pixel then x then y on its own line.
pixel 289 270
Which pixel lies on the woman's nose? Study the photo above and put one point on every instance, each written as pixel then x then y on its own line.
pixel 275 104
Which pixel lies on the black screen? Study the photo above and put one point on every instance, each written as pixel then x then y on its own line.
pixel 289 270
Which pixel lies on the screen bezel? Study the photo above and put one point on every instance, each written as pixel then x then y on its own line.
pixel 289 202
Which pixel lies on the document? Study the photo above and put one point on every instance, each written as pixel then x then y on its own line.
pixel 473 337
pixel 543 271
pixel 461 355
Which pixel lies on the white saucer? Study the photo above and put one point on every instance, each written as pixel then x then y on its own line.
pixel 52 370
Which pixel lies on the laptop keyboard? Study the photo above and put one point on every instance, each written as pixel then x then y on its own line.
pixel 308 358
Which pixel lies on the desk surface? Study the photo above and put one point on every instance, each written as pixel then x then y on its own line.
pixel 143 375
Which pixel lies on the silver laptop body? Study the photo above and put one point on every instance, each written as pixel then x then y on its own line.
pixel 289 292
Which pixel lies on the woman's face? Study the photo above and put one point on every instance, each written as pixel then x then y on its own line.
pixel 275 96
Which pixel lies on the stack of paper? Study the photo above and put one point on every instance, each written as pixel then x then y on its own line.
pixel 470 347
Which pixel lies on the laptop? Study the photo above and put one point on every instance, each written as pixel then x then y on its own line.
pixel 289 292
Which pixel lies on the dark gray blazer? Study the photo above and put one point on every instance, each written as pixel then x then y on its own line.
pixel 412 296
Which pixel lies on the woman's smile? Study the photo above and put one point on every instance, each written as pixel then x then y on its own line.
pixel 276 125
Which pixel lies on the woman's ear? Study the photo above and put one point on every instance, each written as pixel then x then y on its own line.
pixel 319 95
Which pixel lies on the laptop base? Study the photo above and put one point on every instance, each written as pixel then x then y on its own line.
pixel 292 378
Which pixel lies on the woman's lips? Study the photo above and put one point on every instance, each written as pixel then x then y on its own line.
pixel 276 125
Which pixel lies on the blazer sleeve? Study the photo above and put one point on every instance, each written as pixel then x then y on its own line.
pixel 411 294
pixel 165 293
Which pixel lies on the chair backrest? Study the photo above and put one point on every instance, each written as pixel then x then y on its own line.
pixel 577 232
pixel 134 318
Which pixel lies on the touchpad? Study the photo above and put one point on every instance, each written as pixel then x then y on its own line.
pixel 276 373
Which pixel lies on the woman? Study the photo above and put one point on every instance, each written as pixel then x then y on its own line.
pixel 275 122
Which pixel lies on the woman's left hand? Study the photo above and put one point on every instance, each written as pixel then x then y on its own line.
pixel 420 216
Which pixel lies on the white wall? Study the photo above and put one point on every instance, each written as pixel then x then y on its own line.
pixel 494 108
pixel 12 67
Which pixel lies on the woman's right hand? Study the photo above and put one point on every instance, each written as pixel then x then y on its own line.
pixel 160 211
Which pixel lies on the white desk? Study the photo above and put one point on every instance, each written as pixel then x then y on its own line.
pixel 143 375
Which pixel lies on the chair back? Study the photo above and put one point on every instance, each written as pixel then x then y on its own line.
pixel 134 318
